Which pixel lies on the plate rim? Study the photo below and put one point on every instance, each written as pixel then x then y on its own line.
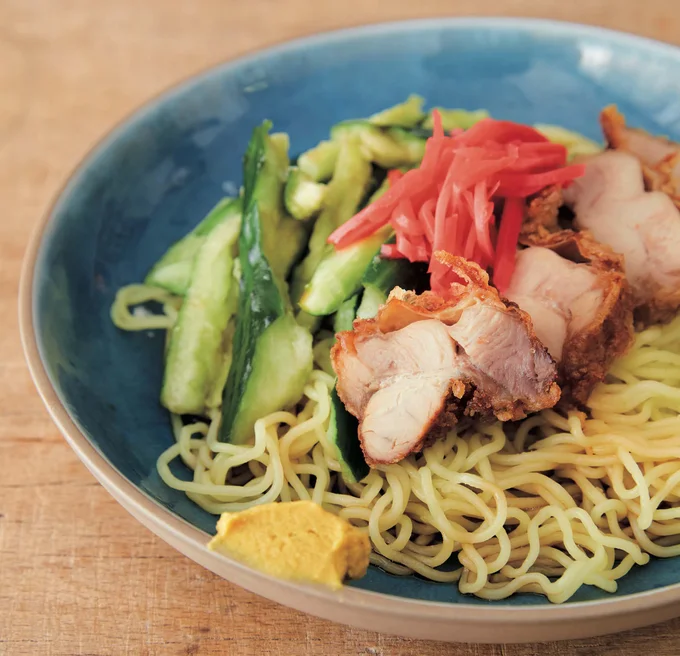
pixel 160 519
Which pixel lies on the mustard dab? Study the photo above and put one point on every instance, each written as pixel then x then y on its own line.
pixel 297 540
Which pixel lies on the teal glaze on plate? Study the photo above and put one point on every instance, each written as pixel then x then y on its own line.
pixel 157 175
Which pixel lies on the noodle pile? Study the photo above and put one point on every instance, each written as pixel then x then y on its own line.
pixel 544 505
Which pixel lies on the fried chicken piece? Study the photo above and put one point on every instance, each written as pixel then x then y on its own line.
pixel 541 218
pixel 580 303
pixel 659 157
pixel 425 362
pixel 644 227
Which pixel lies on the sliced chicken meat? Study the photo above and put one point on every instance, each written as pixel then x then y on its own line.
pixel 580 304
pixel 610 201
pixel 660 157
pixel 424 362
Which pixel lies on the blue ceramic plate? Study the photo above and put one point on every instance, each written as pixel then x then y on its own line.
pixel 152 179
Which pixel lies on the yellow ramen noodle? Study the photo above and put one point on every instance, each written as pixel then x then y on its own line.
pixel 545 505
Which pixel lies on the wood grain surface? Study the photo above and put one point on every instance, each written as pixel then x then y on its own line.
pixel 78 575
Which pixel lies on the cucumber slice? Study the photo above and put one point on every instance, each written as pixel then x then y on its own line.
pixel 343 434
pixel 390 148
pixel 382 276
pixel 322 355
pixel 197 341
pixel 302 196
pixel 405 115
pixel 319 162
pixel 371 300
pixel 339 274
pixel 271 377
pixel 343 197
pixel 453 119
pixel 173 270
pixel 575 143
pixel 272 352
pixel 345 315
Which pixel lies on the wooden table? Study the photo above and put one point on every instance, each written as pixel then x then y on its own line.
pixel 78 575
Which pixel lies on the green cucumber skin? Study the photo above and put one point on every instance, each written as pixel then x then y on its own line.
pixel 272 354
pixel 255 312
pixel 343 433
